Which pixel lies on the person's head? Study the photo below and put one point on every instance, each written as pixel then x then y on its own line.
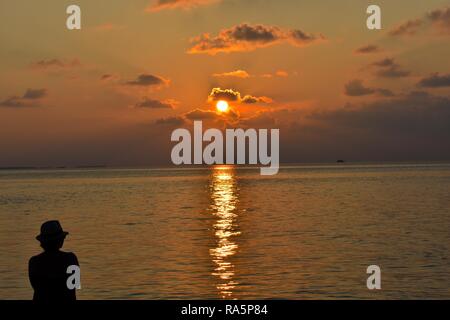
pixel 52 235
pixel 52 245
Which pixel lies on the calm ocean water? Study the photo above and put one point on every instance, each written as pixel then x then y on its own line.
pixel 307 233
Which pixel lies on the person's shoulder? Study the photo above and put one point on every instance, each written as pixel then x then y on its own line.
pixel 70 256
pixel 36 257
pixel 68 253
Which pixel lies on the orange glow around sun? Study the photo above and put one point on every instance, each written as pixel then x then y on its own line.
pixel 222 106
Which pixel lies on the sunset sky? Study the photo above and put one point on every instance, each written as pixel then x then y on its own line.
pixel 112 92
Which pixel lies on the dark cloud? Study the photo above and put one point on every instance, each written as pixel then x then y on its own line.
pixel 153 104
pixel 257 33
pixel 413 127
pixel 300 37
pixel 388 68
pixel 435 81
pixel 199 114
pixel 214 119
pixel 440 18
pixel 110 78
pixel 393 72
pixel 34 93
pixel 106 77
pixel 367 49
pixel 261 120
pixel 28 99
pixel 356 88
pixel 14 102
pixel 171 121
pixel 417 113
pixel 246 37
pixel 385 92
pixel 408 127
pixel 248 99
pixel 147 80
pixel 387 62
pixel 409 27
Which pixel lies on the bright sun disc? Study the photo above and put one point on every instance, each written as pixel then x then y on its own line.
pixel 222 106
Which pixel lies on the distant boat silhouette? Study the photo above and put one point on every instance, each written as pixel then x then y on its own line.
pixel 340 161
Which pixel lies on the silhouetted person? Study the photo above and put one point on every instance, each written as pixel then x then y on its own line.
pixel 48 270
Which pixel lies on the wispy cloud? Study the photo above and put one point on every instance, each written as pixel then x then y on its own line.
pixel 367 49
pixel 438 19
pixel 47 64
pixel 278 73
pixel 159 5
pixel 409 27
pixel 109 77
pixel 244 74
pixel 236 74
pixel 282 74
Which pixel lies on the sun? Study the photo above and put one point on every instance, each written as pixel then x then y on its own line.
pixel 222 106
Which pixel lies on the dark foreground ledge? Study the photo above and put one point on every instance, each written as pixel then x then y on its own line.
pixel 251 309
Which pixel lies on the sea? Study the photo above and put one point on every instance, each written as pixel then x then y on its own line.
pixel 226 232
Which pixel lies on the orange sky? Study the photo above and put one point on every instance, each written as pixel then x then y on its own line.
pixel 111 92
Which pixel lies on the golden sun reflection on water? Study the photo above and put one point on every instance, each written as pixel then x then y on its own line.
pixel 224 206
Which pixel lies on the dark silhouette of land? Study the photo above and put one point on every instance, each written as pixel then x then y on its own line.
pixel 48 270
